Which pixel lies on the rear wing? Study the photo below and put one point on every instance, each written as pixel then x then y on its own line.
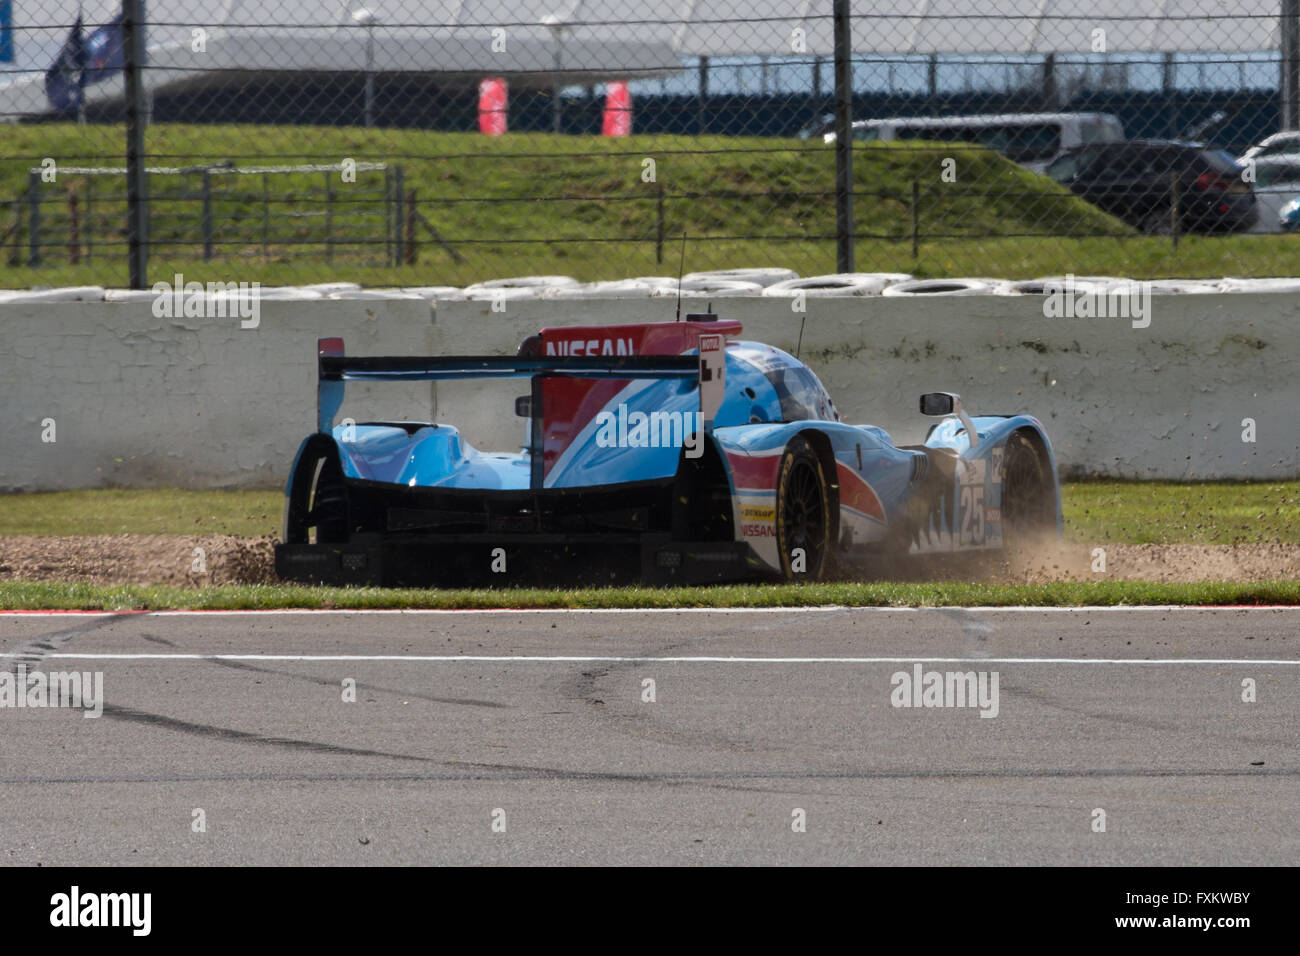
pixel 335 369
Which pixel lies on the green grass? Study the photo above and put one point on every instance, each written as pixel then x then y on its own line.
pixel 40 595
pixel 1164 512
pixel 121 511
pixel 539 203
pixel 1095 511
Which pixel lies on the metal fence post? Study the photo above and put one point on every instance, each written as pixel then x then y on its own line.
pixel 659 224
pixel 843 141
pixel 701 118
pixel 33 219
pixel 90 219
pixel 16 250
pixel 388 215
pixel 410 257
pixel 399 192
pixel 329 217
pixel 137 199
pixel 74 229
pixel 1051 91
pixel 1173 208
pixel 207 216
pixel 916 220
pixel 266 217
pixel 1289 29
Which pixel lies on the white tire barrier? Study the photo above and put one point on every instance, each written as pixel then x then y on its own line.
pixel 325 288
pixel 658 282
pixel 1103 280
pixel 1259 285
pixel 940 287
pixel 522 282
pixel 501 294
pixel 848 284
pixel 81 293
pixel 764 277
pixel 996 286
pixel 275 293
pixel 346 294
pixel 620 289
pixel 126 295
pixel 436 292
pixel 891 278
pixel 715 288
pixel 1182 286
pixel 1050 284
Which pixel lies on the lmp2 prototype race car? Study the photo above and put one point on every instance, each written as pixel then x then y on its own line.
pixel 666 452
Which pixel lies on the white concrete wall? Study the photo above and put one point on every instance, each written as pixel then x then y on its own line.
pixel 141 401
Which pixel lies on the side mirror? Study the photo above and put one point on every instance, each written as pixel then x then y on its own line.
pixel 524 406
pixel 939 404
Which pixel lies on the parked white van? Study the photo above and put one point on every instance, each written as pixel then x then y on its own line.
pixel 1031 139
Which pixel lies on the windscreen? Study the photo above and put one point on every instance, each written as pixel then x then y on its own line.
pixel 802 396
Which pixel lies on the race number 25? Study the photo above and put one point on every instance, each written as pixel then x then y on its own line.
pixel 972 514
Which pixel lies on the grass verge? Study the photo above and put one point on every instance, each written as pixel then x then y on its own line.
pixel 1097 512
pixel 1166 512
pixel 148 511
pixel 20 595
pixel 540 203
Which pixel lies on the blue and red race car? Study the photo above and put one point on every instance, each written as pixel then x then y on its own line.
pixel 670 452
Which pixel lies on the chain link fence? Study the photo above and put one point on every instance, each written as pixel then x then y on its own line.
pixel 431 142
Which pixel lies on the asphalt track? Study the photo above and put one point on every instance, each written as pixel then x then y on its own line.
pixel 538 720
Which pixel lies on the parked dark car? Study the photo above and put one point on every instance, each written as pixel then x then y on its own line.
pixel 1137 181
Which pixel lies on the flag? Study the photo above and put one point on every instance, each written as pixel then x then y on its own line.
pixel 106 51
pixel 65 80
pixel 6 31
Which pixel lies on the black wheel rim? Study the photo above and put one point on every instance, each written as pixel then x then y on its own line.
pixel 804 518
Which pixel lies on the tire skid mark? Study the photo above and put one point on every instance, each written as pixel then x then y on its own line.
pixel 230 735
pixel 643 723
pixel 329 682
pixel 33 653
pixel 487 774
pixel 973 627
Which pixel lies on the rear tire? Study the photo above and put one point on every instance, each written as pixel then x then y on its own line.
pixel 317 507
pixel 329 507
pixel 803 517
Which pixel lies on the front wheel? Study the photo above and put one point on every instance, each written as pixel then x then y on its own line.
pixel 1028 499
pixel 803 517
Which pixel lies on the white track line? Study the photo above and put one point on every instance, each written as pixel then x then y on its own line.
pixel 594 659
